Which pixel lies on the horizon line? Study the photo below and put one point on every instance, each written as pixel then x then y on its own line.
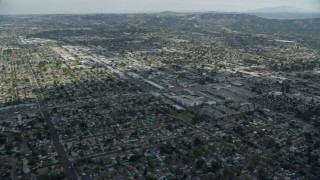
pixel 150 12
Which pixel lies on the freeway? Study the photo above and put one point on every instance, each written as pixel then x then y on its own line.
pixel 64 160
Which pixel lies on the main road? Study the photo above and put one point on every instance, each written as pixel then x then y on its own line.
pixel 64 160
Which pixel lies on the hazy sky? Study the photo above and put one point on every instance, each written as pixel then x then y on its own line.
pixel 123 6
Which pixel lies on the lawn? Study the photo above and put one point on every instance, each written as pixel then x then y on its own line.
pixel 185 116
pixel 52 65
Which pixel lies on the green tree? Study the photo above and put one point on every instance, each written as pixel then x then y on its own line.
pixel 3 139
pixel 215 165
pixel 200 163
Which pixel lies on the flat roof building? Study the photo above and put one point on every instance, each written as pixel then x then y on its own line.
pixel 188 101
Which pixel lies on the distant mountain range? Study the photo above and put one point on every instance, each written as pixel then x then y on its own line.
pixel 279 12
pixel 281 9
pixel 284 12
